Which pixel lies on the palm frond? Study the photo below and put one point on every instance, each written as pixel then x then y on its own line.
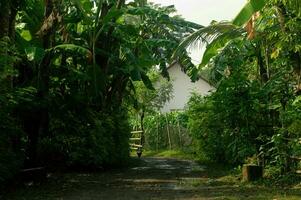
pixel 218 43
pixel 204 36
pixel 248 11
pixel 294 5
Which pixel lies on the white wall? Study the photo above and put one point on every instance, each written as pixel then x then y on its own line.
pixel 182 88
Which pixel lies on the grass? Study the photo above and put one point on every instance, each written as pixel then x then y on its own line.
pixel 218 175
pixel 168 154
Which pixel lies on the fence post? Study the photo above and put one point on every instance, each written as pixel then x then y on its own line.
pixel 179 131
pixel 157 144
pixel 168 133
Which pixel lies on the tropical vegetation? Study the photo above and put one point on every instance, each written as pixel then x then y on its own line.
pixel 68 73
pixel 254 62
pixel 76 76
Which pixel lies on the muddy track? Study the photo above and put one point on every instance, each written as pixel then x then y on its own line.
pixel 152 178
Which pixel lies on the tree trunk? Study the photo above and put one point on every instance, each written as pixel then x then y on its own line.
pixel 157 142
pixel 168 133
pixel 180 133
pixel 252 172
pixel 262 70
pixel 8 12
pixel 39 126
pixel 31 120
pixel 43 90
pixel 5 16
pixel 286 147
pixel 142 127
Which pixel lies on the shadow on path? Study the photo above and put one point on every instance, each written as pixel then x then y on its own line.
pixel 153 178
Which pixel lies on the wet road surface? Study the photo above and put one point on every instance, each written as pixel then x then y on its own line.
pixel 151 179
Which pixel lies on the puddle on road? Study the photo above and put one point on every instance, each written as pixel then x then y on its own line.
pixel 140 168
pixel 158 184
pixel 167 164
pixel 185 171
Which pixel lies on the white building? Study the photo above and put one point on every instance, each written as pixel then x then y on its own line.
pixel 183 87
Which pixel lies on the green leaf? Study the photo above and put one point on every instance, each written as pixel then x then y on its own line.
pixel 135 74
pixel 26 35
pixel 147 82
pixel 213 48
pixel 113 13
pixel 207 35
pixel 87 5
pixel 297 100
pixel 275 53
pixel 84 6
pixel 34 54
pixel 294 6
pixel 274 106
pixel 73 48
pixel 248 11
pixel 211 51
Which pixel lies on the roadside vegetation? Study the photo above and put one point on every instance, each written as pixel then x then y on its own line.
pixel 68 70
pixel 76 76
pixel 254 114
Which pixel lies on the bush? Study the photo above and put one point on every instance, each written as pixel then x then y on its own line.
pixel 11 157
pixel 220 129
pixel 87 140
pixel 242 119
pixel 205 129
pixel 12 138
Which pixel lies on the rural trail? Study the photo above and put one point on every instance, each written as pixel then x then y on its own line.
pixel 151 179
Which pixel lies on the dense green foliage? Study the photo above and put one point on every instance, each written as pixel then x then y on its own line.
pixel 255 110
pixel 68 70
pixel 72 71
pixel 88 140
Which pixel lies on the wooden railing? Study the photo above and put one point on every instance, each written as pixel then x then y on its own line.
pixel 136 142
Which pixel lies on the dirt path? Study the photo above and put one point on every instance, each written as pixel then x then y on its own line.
pixel 153 178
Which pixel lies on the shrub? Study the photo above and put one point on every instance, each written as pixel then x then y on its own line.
pixel 11 157
pixel 220 131
pixel 89 140
pixel 206 129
